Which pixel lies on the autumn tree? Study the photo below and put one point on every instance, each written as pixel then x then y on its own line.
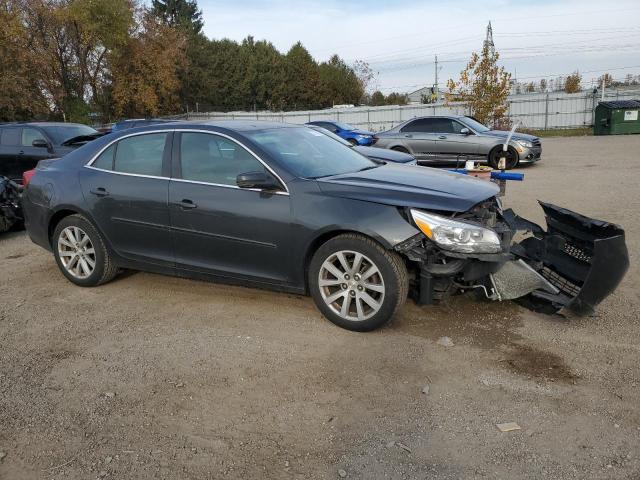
pixel 572 83
pixel 145 80
pixel 531 87
pixel 20 97
pixel 483 85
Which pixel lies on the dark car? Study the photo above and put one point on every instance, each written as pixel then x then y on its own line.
pixel 376 154
pixel 138 122
pixel 351 134
pixel 23 145
pixel 447 138
pixel 286 207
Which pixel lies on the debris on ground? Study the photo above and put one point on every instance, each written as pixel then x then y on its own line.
pixel 10 210
pixel 2 455
pixel 342 473
pixel 508 427
pixel 109 394
pixel 425 390
pixel 445 342
pixel 403 447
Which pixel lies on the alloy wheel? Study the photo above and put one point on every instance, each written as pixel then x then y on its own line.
pixel 351 285
pixel 76 252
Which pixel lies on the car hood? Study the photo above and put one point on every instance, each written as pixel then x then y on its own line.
pixel 516 135
pixel 410 186
pixel 384 154
pixel 357 131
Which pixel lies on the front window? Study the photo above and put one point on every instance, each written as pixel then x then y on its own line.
pixel 63 133
pixel 310 154
pixel 474 124
pixel 209 158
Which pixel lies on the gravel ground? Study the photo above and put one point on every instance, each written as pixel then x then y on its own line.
pixel 158 377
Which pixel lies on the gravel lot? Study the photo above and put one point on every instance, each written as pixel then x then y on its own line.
pixel 157 377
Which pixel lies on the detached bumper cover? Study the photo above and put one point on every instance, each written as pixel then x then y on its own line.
pixel 584 258
pixel 10 210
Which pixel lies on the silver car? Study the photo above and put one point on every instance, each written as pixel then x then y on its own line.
pixel 458 138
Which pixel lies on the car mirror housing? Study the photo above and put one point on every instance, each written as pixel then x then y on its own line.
pixel 465 131
pixel 259 180
pixel 40 143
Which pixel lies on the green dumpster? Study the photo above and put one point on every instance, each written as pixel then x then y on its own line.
pixel 617 117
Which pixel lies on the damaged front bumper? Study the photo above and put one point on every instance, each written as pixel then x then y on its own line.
pixel 568 268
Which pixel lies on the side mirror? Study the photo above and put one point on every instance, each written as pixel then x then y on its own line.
pixel 465 131
pixel 260 180
pixel 40 143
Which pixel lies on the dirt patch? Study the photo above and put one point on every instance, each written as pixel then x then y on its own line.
pixel 532 362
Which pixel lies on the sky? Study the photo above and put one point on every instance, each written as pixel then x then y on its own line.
pixel 399 39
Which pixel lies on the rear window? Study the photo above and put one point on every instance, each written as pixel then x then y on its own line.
pixel 105 160
pixel 141 154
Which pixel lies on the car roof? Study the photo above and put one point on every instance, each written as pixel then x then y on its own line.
pixel 41 124
pixel 238 125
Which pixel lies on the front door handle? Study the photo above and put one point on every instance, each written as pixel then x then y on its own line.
pixel 21 152
pixel 100 192
pixel 442 137
pixel 407 135
pixel 186 204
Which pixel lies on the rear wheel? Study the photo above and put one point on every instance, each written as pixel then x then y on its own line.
pixel 81 253
pixel 510 155
pixel 356 283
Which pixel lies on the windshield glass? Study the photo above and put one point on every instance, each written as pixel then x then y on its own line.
pixel 344 126
pixel 477 126
pixel 61 133
pixel 310 154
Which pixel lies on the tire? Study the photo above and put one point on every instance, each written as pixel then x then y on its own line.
pixel 496 153
pixel 93 264
pixel 353 142
pixel 400 149
pixel 373 300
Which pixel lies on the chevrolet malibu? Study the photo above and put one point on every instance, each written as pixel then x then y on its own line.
pixel 288 208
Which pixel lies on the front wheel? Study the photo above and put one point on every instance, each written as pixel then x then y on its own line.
pixel 356 283
pixel 353 142
pixel 511 157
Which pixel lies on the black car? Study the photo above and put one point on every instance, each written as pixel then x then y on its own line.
pixel 23 145
pixel 288 208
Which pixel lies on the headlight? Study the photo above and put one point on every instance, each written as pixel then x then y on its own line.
pixel 457 236
pixel 524 143
pixel 364 136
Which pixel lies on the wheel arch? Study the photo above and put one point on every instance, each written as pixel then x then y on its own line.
pixel 65 211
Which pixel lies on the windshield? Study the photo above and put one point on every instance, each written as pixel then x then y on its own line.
pixel 474 124
pixel 344 126
pixel 310 154
pixel 61 133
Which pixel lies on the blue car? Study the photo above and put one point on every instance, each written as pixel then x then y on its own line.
pixel 351 134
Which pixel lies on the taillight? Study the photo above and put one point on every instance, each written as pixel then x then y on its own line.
pixel 26 177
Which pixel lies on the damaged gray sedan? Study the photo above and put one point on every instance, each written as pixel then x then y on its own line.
pixel 288 208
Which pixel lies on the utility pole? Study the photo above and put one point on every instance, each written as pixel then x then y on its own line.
pixel 602 88
pixel 436 84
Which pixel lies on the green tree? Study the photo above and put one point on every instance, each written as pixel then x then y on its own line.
pixel 395 98
pixel 179 13
pixel 340 84
pixel 302 80
pixel 483 85
pixel 377 99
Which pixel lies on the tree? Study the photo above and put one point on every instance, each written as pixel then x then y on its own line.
pixel 145 71
pixel 543 85
pixel 572 83
pixel 302 80
pixel 608 80
pixel 483 85
pixel 395 98
pixel 364 74
pixel 20 98
pixel 377 99
pixel 179 13
pixel 340 83
pixel 531 87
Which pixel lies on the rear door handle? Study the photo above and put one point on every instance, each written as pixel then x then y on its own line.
pixel 408 135
pixel 21 152
pixel 186 204
pixel 100 192
pixel 442 137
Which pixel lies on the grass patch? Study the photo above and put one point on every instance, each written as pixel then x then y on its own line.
pixel 562 132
